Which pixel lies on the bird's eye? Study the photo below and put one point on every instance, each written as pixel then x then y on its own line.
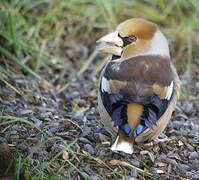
pixel 132 38
pixel 128 40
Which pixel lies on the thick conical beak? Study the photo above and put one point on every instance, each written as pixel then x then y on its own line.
pixel 114 44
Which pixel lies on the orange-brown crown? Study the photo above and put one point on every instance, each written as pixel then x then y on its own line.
pixel 138 27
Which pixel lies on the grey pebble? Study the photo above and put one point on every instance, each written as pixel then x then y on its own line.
pixel 16 127
pixel 195 128
pixel 193 175
pixel 71 95
pixel 43 115
pixel 135 162
pixel 71 169
pixel 154 172
pixel 3 140
pixel 43 109
pixel 86 131
pixel 194 165
pixel 151 156
pixel 38 122
pixel 128 178
pixel 183 168
pixel 133 172
pixel 174 156
pixel 193 155
pixel 94 178
pixel 84 140
pixel 89 148
pixel 171 161
pixel 54 127
pixel 177 124
pixel 196 176
pixel 22 147
pixel 190 147
pixel 85 175
pixel 26 111
pixel 188 107
pixel 13 132
pixel 75 84
pixel 80 101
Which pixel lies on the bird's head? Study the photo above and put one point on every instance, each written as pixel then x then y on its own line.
pixel 135 37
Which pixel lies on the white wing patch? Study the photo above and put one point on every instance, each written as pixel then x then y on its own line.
pixel 169 91
pixel 122 146
pixel 104 85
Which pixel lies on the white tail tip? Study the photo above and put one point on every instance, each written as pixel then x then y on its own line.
pixel 122 145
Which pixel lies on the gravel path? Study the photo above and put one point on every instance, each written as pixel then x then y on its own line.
pixel 67 126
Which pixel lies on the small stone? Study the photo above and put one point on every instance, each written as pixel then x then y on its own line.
pixel 16 136
pixel 54 127
pixel 72 95
pixel 190 147
pixel 75 85
pixel 71 169
pixel 86 176
pixel 197 85
pixel 174 156
pixel 16 127
pixel 180 143
pixel 154 172
pixel 133 172
pixel 177 124
pixel 84 140
pixel 89 148
pixel 43 109
pixel 3 140
pixel 26 111
pixel 13 132
pixel 22 147
pixel 160 171
pixel 80 101
pixel 144 152
pixel 38 122
pixel 103 138
pixel 94 178
pixel 169 168
pixel 161 164
pixel 194 165
pixel 195 128
pixel 135 162
pixel 195 177
pixel 151 156
pixel 183 168
pixel 171 161
pixel 86 131
pixel 188 107
pixel 193 155
pixel 43 115
pixel 129 178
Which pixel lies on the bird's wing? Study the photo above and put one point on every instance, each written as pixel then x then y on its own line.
pixel 164 119
pixel 141 80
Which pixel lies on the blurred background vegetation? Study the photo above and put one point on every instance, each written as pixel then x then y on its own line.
pixel 36 34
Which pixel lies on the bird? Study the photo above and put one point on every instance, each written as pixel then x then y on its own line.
pixel 139 86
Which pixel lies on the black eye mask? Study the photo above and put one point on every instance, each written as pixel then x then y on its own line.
pixel 128 40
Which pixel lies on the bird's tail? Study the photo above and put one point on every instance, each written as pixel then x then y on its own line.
pixel 123 142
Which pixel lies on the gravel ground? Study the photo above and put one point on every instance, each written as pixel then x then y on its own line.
pixel 68 122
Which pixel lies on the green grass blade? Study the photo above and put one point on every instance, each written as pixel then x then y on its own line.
pixel 18 62
pixel 17 119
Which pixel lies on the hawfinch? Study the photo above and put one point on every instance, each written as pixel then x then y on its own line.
pixel 139 86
